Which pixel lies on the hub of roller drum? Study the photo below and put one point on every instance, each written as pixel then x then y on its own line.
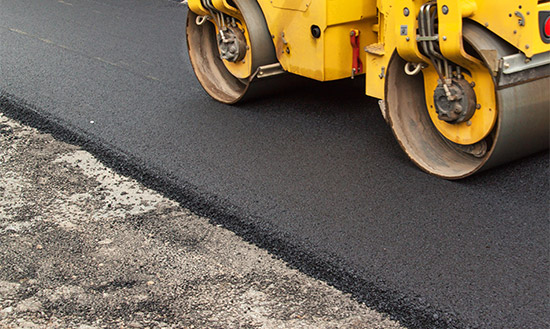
pixel 462 105
pixel 232 44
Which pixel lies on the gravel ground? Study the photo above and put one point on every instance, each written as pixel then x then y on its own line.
pixel 84 247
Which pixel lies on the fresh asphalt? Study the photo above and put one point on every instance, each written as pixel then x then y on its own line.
pixel 312 172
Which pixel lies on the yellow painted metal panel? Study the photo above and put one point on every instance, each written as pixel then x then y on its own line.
pixel 378 53
pixel 196 7
pixel 328 57
pixel 504 19
pixel 340 11
pixel 406 12
pixel 300 5
pixel 375 69
pixel 450 31
pixel 297 51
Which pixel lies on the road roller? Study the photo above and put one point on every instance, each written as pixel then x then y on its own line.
pixel 463 84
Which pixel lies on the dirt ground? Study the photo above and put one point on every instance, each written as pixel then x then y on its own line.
pixel 83 247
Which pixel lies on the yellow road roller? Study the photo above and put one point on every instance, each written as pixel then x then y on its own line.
pixel 463 84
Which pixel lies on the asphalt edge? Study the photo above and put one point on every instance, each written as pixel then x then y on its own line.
pixel 411 311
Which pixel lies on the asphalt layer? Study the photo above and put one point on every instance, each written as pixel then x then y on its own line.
pixel 312 173
pixel 86 248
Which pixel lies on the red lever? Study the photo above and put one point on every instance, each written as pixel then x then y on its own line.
pixel 357 65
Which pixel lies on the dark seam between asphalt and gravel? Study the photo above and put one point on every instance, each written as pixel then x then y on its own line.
pixel 411 311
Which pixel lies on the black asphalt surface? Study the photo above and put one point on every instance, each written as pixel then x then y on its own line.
pixel 311 173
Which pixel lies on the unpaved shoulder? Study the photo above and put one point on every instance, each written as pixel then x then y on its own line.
pixel 83 247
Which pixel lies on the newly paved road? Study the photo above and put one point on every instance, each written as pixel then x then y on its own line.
pixel 312 174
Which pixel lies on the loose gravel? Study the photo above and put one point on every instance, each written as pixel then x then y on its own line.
pixel 84 247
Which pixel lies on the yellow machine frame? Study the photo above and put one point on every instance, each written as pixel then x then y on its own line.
pixel 379 23
pixel 372 32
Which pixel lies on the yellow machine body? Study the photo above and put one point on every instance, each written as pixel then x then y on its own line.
pixel 388 28
pixel 330 56
pixel 379 22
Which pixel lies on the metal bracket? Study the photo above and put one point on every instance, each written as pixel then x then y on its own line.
pixel 383 109
pixel 521 20
pixel 382 73
pixel 357 65
pixel 432 38
pixel 269 70
pixel 518 62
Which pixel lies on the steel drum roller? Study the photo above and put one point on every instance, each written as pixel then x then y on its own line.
pixel 522 126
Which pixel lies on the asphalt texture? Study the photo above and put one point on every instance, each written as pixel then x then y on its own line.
pixel 311 173
pixel 86 248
